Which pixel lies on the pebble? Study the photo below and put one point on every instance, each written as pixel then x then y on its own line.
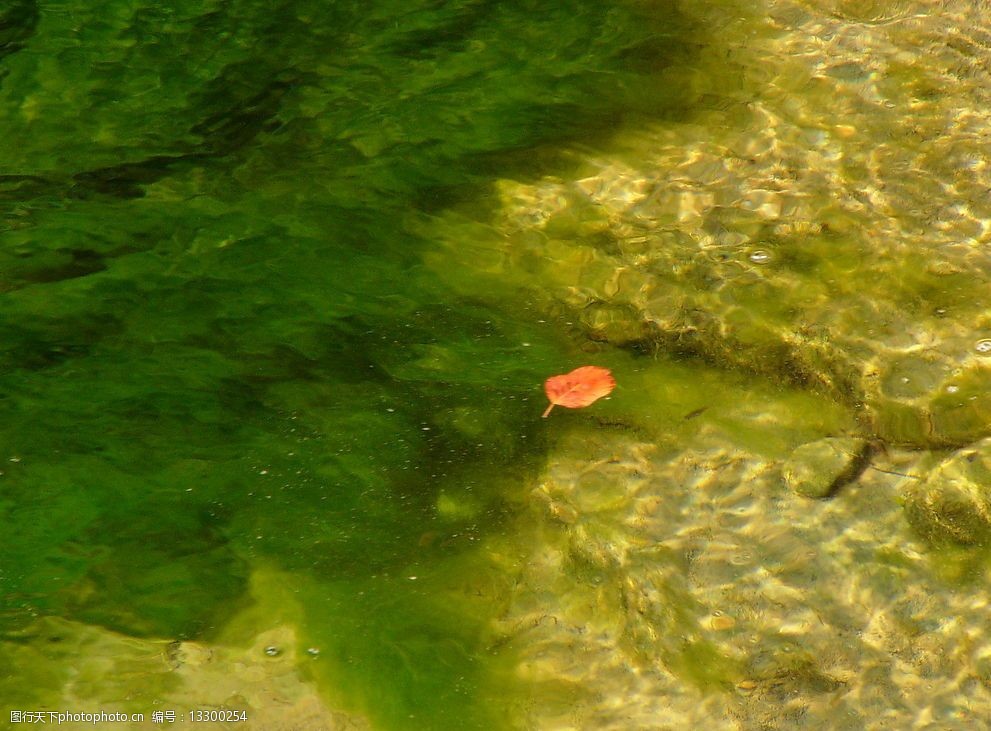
pixel 722 622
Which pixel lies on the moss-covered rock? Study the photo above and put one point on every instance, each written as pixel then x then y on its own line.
pixel 953 504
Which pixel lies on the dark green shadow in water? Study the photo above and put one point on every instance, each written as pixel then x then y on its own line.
pixel 218 346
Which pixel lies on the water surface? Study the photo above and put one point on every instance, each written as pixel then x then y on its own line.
pixel 222 355
pixel 280 284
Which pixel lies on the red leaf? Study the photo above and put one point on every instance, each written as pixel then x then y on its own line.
pixel 579 388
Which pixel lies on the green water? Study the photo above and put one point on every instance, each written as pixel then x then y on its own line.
pixel 220 351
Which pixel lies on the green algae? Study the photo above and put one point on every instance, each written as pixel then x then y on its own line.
pixel 220 348
pixel 702 664
pixel 391 647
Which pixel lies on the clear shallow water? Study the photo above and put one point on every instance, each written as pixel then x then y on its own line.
pixel 694 584
pixel 223 356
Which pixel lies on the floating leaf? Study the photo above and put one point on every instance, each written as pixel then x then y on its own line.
pixel 579 388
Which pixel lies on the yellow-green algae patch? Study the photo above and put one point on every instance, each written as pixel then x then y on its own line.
pixel 427 640
pixel 298 655
pixel 77 668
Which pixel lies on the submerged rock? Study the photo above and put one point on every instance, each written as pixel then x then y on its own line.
pixel 818 469
pixel 697 597
pixel 263 681
pixel 953 504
